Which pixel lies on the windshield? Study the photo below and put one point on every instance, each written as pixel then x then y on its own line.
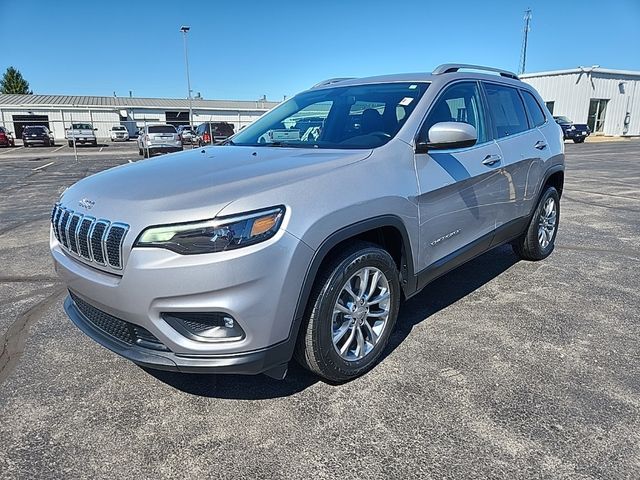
pixel 361 116
pixel 82 126
pixel 118 128
pixel 162 129
pixel 35 129
pixel 563 120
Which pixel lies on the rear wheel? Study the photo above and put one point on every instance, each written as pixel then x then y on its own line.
pixel 578 140
pixel 351 313
pixel 538 241
pixel 70 143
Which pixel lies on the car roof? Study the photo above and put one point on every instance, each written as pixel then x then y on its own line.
pixel 422 77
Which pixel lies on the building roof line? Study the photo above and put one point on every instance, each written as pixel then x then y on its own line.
pixel 608 71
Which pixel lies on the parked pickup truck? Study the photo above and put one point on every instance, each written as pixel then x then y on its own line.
pixel 82 133
pixel 573 131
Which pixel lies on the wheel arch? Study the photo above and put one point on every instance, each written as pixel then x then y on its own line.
pixel 388 231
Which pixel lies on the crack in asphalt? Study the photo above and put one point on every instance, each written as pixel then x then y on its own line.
pixel 13 341
pixel 630 254
pixel 567 197
pixel 34 278
pixel 615 195
pixel 22 224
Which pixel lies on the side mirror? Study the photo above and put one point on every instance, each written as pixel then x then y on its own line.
pixel 445 135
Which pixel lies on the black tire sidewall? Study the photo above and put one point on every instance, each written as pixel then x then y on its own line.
pixel 545 252
pixel 370 257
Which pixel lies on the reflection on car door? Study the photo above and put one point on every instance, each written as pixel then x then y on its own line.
pixel 458 216
pixel 522 147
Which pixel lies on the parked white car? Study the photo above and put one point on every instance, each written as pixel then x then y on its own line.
pixel 119 133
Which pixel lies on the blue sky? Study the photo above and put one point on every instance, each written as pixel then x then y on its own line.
pixel 242 50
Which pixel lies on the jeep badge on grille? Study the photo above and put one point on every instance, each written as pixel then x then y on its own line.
pixel 86 203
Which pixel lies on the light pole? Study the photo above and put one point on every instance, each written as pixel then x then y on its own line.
pixel 184 29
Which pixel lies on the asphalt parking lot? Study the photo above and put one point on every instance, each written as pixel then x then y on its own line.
pixel 500 369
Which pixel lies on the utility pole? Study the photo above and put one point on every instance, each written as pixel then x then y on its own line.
pixel 525 39
pixel 184 29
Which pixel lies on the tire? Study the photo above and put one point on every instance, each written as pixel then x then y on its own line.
pixel 70 144
pixel 139 151
pixel 315 348
pixel 578 140
pixel 538 241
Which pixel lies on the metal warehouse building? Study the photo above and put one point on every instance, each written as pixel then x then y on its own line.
pixel 606 100
pixel 57 112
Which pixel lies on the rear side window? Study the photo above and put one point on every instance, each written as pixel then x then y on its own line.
pixel 162 129
pixel 533 107
pixel 506 109
pixel 459 103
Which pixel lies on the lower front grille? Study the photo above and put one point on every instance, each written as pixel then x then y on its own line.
pixel 116 328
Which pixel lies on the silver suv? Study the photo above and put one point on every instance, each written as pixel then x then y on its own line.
pixel 301 235
pixel 160 138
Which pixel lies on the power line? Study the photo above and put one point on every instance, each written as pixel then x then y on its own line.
pixel 525 39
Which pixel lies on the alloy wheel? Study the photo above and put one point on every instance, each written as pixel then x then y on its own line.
pixel 361 313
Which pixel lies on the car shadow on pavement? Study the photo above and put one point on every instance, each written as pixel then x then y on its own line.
pixel 448 289
pixel 238 387
pixel 438 295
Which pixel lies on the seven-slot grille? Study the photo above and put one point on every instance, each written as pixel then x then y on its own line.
pixel 96 240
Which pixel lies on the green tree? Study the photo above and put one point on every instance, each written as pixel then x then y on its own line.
pixel 13 82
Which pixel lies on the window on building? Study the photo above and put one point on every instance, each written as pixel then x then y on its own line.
pixel 550 106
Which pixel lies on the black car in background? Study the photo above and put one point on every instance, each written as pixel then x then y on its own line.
pixel 221 131
pixel 37 135
pixel 573 131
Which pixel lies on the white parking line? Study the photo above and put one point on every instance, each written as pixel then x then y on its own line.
pixel 100 149
pixel 11 150
pixel 59 148
pixel 42 166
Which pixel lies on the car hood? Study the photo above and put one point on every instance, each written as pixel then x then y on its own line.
pixel 197 184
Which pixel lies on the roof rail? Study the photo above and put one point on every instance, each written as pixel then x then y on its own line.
pixel 329 81
pixel 454 67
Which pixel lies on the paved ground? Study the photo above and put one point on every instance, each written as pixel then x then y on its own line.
pixel 501 369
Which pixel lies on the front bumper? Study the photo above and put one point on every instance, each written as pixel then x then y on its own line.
pixel 251 363
pixel 571 134
pixel 258 286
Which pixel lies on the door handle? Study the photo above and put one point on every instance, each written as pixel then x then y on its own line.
pixel 491 159
pixel 540 145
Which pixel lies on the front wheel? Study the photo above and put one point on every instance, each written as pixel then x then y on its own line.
pixel 352 311
pixel 538 241
pixel 578 140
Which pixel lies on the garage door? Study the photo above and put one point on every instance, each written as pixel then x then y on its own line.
pixel 21 121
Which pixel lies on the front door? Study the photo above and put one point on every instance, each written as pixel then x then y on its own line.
pixel 457 187
pixel 597 111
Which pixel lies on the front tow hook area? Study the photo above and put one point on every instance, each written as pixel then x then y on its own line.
pixel 279 372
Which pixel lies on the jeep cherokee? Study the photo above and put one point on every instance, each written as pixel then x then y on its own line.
pixel 301 234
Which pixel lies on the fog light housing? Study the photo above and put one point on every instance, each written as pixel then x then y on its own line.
pixel 205 326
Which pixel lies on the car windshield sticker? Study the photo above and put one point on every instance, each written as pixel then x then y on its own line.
pixel 406 101
pixel 280 135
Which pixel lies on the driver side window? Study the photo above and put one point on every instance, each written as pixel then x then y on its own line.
pixel 460 102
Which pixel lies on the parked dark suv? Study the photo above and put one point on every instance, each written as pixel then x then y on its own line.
pixel 221 131
pixel 37 135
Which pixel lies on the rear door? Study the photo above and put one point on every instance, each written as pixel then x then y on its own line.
pixel 523 148
pixel 457 187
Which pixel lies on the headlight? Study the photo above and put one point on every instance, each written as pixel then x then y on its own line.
pixel 215 235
